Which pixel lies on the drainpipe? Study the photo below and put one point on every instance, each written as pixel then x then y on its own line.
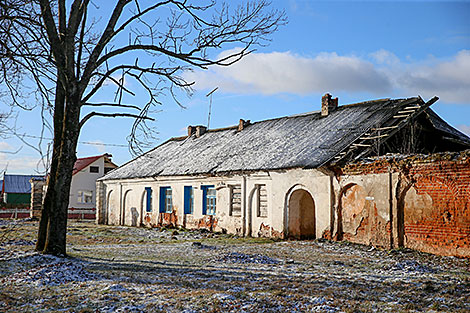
pixel 120 204
pixel 244 205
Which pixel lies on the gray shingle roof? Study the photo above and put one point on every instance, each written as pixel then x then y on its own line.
pixel 299 141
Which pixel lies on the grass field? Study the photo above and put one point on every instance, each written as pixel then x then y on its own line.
pixel 128 269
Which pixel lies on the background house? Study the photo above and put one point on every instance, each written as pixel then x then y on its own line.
pixel 15 195
pixel 16 189
pixel 292 177
pixel 82 201
pixel 85 173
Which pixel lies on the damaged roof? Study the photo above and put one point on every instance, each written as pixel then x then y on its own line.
pixel 300 141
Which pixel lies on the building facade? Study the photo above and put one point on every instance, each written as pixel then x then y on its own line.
pixel 293 177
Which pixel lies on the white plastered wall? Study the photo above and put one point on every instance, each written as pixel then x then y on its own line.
pixel 278 185
pixel 84 180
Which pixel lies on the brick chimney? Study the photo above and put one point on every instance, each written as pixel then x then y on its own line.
pixel 200 130
pixel 191 130
pixel 328 104
pixel 242 124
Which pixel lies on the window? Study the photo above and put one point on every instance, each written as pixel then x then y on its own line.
pixel 107 169
pixel 235 200
pixel 94 169
pixel 188 200
pixel 262 201
pixel 209 199
pixel 148 197
pixel 166 201
pixel 85 196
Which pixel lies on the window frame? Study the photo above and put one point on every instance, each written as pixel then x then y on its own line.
pixel 95 167
pixel 166 199
pixel 259 212
pixel 209 201
pixel 83 195
pixel 235 212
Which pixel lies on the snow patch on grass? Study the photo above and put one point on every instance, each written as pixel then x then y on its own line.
pixel 50 271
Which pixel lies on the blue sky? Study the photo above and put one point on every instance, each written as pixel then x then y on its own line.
pixel 355 50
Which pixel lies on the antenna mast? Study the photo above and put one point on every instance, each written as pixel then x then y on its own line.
pixel 210 105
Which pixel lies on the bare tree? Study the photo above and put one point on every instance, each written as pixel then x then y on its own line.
pixel 68 56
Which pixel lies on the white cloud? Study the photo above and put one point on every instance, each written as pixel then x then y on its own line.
pixel 279 72
pixel 448 79
pixel 5 146
pixel 384 74
pixel 15 164
pixel 385 57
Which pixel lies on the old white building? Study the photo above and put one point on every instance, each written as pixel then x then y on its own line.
pixel 277 177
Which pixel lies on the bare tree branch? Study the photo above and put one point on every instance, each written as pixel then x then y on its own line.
pixel 113 105
pixel 90 115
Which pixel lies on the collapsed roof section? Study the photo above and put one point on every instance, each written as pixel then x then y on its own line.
pixel 336 135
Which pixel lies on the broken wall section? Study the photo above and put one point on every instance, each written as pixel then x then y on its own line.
pixel 427 200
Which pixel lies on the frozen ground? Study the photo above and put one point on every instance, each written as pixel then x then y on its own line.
pixel 124 269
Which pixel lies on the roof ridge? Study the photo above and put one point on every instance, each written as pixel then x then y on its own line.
pixel 298 115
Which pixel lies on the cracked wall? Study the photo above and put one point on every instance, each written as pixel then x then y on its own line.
pixel 428 203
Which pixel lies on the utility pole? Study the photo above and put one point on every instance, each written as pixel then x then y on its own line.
pixel 210 105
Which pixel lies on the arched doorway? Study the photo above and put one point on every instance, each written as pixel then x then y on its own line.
pixel 301 215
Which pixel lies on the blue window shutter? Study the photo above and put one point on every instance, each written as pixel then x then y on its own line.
pixel 162 199
pixel 187 199
pixel 204 200
pixel 149 199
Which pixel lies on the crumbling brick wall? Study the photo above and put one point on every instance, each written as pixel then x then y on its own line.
pixel 429 203
pixel 437 206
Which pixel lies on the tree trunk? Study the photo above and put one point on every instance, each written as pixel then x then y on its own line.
pixel 57 225
pixel 53 225
pixel 50 194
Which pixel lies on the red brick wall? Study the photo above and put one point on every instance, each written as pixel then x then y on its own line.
pixel 441 223
pixel 437 205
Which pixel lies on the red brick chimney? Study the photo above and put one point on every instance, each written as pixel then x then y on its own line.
pixel 242 124
pixel 191 130
pixel 199 130
pixel 328 104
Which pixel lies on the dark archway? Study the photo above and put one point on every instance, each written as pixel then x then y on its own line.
pixel 402 188
pixel 301 215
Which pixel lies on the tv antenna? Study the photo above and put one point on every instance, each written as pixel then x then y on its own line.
pixel 210 105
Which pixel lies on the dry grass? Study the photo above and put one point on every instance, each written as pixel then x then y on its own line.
pixel 125 269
